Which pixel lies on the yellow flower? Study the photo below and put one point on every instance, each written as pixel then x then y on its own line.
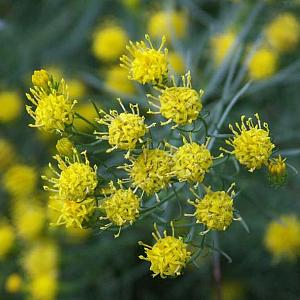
pixel 146 65
pixel 64 147
pixel 277 170
pixel 170 23
pixel 109 42
pixel 11 106
pixel 131 4
pixel 168 256
pixel 263 64
pixel 283 33
pixel 151 170
pixel 7 154
pixel 44 287
pixel 121 208
pixel 221 45
pixel 41 258
pixel 76 181
pixel 125 130
pixel 180 104
pixel 191 162
pixel 282 237
pixel 176 62
pixel 215 209
pixel 29 219
pixel 13 283
pixel 54 109
pixel 7 238
pixel 77 89
pixel 251 144
pixel 20 180
pixel 40 78
pixel 72 214
pixel 117 81
pixel 87 111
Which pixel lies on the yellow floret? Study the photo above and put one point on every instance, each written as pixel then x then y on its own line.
pixel 7 154
pixel 40 78
pixel 7 238
pixel 215 209
pixel 77 179
pixel 282 237
pixel 11 106
pixel 64 147
pixel 116 80
pixel 168 256
pixel 170 23
pixel 109 42
pixel 72 214
pixel 146 64
pixel 151 170
pixel 263 64
pixel 125 130
pixel 191 162
pixel 283 33
pixel 20 180
pixel 13 283
pixel 277 172
pixel 221 45
pixel 251 144
pixel 180 104
pixel 44 287
pixel 121 208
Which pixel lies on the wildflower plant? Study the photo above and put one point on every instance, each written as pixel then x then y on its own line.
pixel 163 163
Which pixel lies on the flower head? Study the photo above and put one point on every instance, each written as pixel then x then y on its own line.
pixel 13 283
pixel 168 256
pixel 44 287
pixel 72 214
pixel 282 237
pixel 221 45
pixel 109 42
pixel 64 147
pixel 121 207
pixel 251 144
pixel 54 109
pixel 180 104
pixel 76 181
pixel 263 64
pixel 151 170
pixel 11 106
pixel 191 162
pixel 20 180
pixel 170 23
pixel 277 171
pixel 283 33
pixel 125 130
pixel 116 80
pixel 7 238
pixel 146 64
pixel 7 153
pixel 40 78
pixel 215 209
pixel 77 88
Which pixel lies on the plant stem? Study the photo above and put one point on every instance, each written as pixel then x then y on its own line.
pixel 217 268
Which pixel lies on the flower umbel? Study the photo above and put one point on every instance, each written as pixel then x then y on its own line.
pixel 77 179
pixel 168 256
pixel 150 171
pixel 146 65
pixel 121 208
pixel 215 210
pixel 180 104
pixel 251 144
pixel 54 109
